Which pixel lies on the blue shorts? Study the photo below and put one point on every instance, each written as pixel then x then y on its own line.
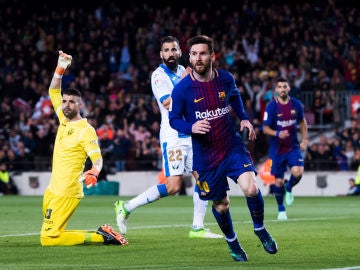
pixel 213 185
pixel 281 162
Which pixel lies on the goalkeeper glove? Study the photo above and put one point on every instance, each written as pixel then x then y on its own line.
pixel 64 61
pixel 90 177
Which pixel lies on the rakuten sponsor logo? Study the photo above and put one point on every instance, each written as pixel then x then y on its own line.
pixel 286 123
pixel 219 112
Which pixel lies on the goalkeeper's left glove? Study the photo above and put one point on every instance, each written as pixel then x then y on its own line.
pixel 90 177
pixel 64 61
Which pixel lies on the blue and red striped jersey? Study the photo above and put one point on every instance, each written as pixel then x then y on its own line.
pixel 281 117
pixel 193 100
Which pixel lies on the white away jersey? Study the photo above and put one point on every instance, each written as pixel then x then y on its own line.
pixel 176 147
pixel 163 81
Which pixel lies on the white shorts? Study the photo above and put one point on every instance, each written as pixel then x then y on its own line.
pixel 177 156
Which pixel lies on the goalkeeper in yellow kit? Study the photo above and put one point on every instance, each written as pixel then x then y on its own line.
pixel 75 140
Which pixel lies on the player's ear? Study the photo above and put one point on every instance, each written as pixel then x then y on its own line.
pixel 80 103
pixel 161 56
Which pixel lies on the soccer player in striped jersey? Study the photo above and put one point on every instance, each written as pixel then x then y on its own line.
pixel 201 104
pixel 76 140
pixel 282 117
pixel 176 147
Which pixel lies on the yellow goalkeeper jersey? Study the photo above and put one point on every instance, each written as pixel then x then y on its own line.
pixel 75 141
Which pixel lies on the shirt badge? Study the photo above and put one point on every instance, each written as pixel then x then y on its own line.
pixel 222 95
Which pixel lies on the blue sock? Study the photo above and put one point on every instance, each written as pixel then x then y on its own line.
pixel 162 190
pixel 292 182
pixel 279 196
pixel 225 223
pixel 256 208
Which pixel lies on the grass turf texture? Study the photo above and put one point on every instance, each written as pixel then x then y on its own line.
pixel 321 233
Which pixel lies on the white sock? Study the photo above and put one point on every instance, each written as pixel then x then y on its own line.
pixel 148 196
pixel 199 211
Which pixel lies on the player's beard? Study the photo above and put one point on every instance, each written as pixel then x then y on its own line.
pixel 201 69
pixel 69 114
pixel 283 96
pixel 173 64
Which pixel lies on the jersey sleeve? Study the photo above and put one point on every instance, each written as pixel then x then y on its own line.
pixel 269 115
pixel 236 102
pixel 238 106
pixel 90 143
pixel 300 109
pixel 56 100
pixel 177 111
pixel 161 86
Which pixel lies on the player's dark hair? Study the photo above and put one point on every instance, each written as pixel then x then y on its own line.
pixel 201 39
pixel 71 92
pixel 281 79
pixel 168 39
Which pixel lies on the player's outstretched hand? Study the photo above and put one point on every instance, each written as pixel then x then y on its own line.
pixel 64 61
pixel 90 177
pixel 304 144
pixel 249 126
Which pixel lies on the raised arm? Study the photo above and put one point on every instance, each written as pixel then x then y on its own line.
pixel 64 61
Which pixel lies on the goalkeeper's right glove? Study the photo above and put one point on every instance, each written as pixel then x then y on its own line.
pixel 64 61
pixel 90 177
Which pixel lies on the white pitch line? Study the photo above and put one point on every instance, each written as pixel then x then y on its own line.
pixel 20 234
pixel 188 225
pixel 344 268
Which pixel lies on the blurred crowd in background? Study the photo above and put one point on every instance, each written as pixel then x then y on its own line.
pixel 115 47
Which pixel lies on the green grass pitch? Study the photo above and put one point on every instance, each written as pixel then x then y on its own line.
pixel 321 233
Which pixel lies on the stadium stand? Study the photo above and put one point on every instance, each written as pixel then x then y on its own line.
pixel 316 45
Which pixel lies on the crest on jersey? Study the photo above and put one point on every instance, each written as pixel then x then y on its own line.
pixel 71 131
pixel 93 142
pixel 222 95
pixel 292 112
pixel 157 82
